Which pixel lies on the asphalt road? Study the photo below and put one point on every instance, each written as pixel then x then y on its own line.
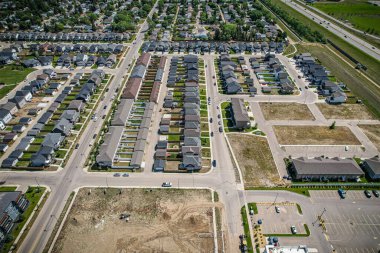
pixel 340 32
pixel 62 184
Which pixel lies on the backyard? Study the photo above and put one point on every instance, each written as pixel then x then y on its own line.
pixel 373 133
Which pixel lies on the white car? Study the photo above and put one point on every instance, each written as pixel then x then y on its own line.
pixel 293 229
pixel 166 184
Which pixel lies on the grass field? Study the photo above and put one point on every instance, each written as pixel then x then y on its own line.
pixel 360 86
pixel 345 111
pixel 255 160
pixel 373 133
pixel 361 14
pixel 315 135
pixel 286 111
pixel 371 63
pixel 11 78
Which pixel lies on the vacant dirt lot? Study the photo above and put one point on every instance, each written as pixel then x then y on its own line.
pixel 315 135
pixel 286 111
pixel 373 133
pixel 345 111
pixel 162 220
pixel 255 160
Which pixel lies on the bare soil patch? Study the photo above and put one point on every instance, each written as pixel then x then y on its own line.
pixel 345 111
pixel 162 220
pixel 255 160
pixel 315 135
pixel 286 111
pixel 373 133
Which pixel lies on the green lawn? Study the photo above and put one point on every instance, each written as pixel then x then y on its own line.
pixel 247 233
pixel 11 77
pixel 7 188
pixel 361 14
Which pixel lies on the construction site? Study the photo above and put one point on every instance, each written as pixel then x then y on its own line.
pixel 138 220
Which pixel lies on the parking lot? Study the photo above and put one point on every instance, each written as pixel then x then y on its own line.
pixel 333 194
pixel 280 223
pixel 350 227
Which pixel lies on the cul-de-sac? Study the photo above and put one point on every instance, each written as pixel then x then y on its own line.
pixel 197 126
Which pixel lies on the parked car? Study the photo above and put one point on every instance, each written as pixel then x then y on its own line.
pixel 367 194
pixel 77 146
pixel 218 116
pixel 210 120
pixel 342 193
pixel 126 175
pixel 376 193
pixel 212 134
pixel 116 175
pixel 166 184
pixel 219 123
pixel 94 136
pixel 105 107
pixel 220 129
pixel 277 209
pixel 293 229
pixel 214 163
pixel 104 116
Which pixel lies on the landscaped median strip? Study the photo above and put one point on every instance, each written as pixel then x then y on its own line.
pixel 247 233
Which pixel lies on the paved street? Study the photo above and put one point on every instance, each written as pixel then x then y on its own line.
pixel 226 177
pixel 342 33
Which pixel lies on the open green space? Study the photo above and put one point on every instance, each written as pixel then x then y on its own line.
pixel 361 14
pixel 11 75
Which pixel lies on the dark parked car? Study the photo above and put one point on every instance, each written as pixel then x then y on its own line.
pixel 77 146
pixel 220 129
pixel 214 163
pixel 367 193
pixel 376 193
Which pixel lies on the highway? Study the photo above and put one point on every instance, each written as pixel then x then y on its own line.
pixel 340 32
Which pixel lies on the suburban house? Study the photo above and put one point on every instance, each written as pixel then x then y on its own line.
pixel 12 205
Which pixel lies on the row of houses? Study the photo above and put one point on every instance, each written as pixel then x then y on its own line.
pixel 229 79
pixel 111 140
pixel 134 82
pixel 189 120
pixel 199 47
pixel 84 60
pixel 335 169
pixel 42 36
pixel 12 205
pixel 82 48
pixel 23 96
pixel 281 79
pixel 62 126
pixel 317 75
pixel 157 80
